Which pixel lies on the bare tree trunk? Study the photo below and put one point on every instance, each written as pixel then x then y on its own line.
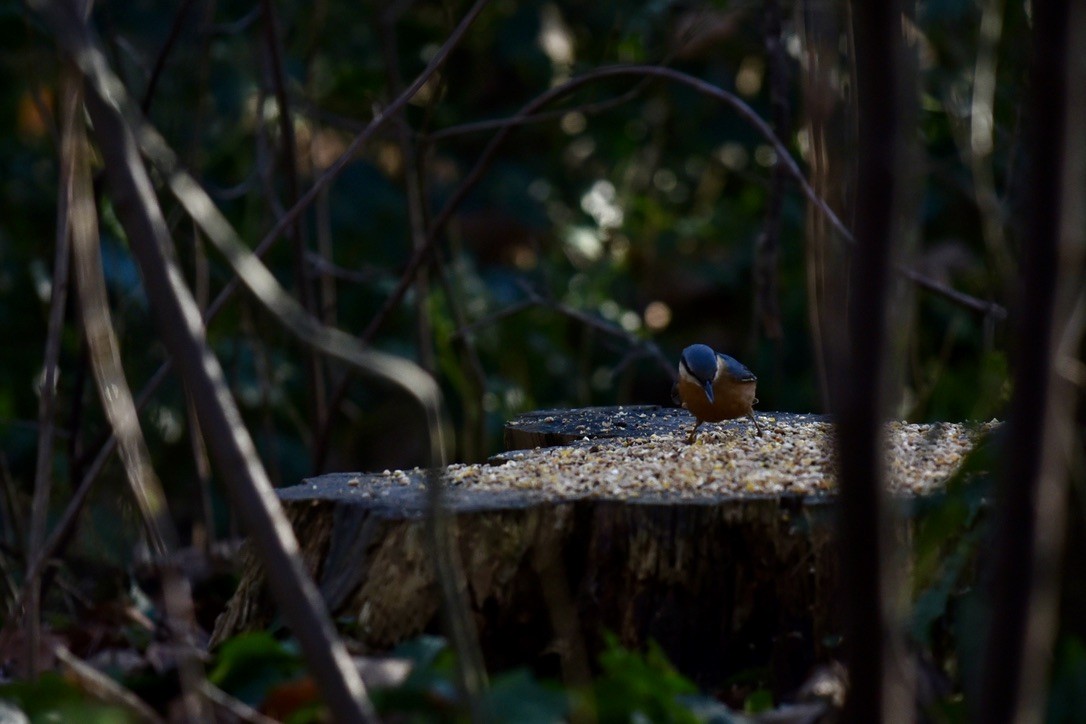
pixel 1025 568
pixel 878 690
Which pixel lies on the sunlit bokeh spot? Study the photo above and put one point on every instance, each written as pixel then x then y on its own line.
pixel 573 123
pixel 609 309
pixel 765 156
pixel 579 150
pixel 556 41
pixel 583 245
pixel 630 321
pixel 803 142
pixel 525 258
pixel 748 81
pixel 733 156
pixel 657 316
pixel 619 248
pixel 664 179
pixel 601 203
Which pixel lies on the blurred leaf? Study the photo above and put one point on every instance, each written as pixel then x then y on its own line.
pixel 429 688
pixel 947 535
pixel 635 686
pixel 519 697
pixel 758 701
pixel 250 664
pixel 53 699
pixel 1067 695
pixel 423 651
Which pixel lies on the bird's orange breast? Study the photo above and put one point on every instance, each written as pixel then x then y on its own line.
pixel 731 399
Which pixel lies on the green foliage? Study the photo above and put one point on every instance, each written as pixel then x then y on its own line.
pixel 949 527
pixel 430 693
pixel 631 686
pixel 758 701
pixel 1067 698
pixel 948 616
pixel 53 699
pixel 639 687
pixel 249 664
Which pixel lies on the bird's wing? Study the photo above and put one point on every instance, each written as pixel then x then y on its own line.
pixel 736 369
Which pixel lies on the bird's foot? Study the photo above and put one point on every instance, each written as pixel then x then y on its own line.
pixel 757 427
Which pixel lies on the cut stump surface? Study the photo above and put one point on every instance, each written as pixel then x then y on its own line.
pixel 720 551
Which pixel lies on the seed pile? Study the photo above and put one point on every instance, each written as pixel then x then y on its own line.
pixel 792 457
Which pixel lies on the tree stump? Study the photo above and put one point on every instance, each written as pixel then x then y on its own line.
pixel 720 551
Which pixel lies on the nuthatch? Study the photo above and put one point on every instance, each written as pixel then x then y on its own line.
pixel 715 387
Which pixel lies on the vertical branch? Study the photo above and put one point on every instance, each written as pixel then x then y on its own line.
pixel 820 28
pixel 1024 571
pixel 366 337
pixel 201 292
pixel 876 693
pixel 474 434
pixel 11 536
pixel 455 609
pixel 164 54
pixel 982 138
pixel 65 528
pixel 229 441
pixel 182 332
pixel 122 414
pixel 767 252
pixel 424 333
pixel 448 566
pixel 294 230
pixel 71 103
pixel 105 358
pixel 419 217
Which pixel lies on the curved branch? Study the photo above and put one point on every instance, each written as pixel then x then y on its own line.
pixel 741 108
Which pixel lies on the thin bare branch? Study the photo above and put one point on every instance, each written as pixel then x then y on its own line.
pixel 321 184
pixel 65 527
pixel 820 28
pixel 224 295
pixel 767 247
pixel 228 440
pixel 236 709
pixel 106 366
pixel 535 300
pixel 348 155
pixel 179 323
pixel 744 111
pixel 103 687
pixel 163 55
pixel 416 213
pixel 978 152
pixel 183 334
pixel 62 532
pixel 121 412
pixel 295 231
pixel 71 102
pixel 495 124
pixel 12 534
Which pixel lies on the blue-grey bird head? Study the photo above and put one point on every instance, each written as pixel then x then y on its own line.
pixel 699 361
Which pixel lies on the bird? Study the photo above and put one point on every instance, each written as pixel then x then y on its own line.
pixel 714 387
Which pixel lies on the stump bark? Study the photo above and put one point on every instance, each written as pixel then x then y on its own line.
pixel 723 581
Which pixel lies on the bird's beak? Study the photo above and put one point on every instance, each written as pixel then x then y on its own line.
pixel 709 391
